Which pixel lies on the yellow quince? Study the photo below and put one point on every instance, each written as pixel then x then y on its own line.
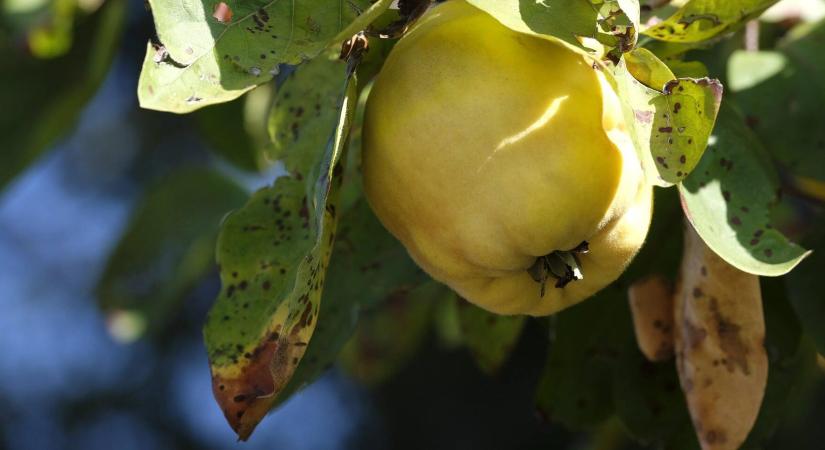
pixel 502 163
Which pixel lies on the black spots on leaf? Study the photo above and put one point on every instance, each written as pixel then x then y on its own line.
pixel 735 221
pixel 230 290
pixel 676 107
pixel 313 26
pixel 266 285
pixel 662 162
pixel 304 213
pixel 243 285
pixel 666 129
pixel 682 159
pixel 260 19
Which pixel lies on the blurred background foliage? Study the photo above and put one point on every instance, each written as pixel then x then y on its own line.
pixel 109 213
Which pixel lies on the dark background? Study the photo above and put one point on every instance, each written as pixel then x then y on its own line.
pixel 65 383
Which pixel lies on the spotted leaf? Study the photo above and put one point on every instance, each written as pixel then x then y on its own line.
pixel 203 60
pixel 700 20
pixel 728 199
pixel 670 119
pixel 368 268
pixel 273 254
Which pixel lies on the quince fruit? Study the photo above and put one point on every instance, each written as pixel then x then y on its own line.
pixel 502 163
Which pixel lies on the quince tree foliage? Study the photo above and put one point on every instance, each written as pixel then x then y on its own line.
pixel 640 180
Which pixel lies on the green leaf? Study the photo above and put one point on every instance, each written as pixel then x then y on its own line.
pixel 700 20
pixel 612 22
pixel 297 114
pixel 670 119
pixel 368 267
pixel 791 356
pixel 388 337
pixel 648 398
pixel 489 337
pixel 45 105
pixel 273 254
pixel 806 286
pixel 728 199
pixel 575 386
pixel 236 131
pixel 781 93
pixel 205 60
pixel 167 247
pixel 48 25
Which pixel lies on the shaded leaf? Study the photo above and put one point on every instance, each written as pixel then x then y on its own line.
pixel 46 106
pixel 167 247
pixel 299 117
pixel 781 94
pixel 204 60
pixel 700 20
pixel 670 119
pixel 590 337
pixel 648 400
pixel 728 199
pixel 806 290
pixel 273 254
pixel 388 337
pixel 489 337
pixel 368 268
pixel 791 356
pixel 236 130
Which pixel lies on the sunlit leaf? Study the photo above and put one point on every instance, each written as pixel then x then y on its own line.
pixel 728 199
pixel 206 59
pixel 612 22
pixel 670 119
pixel 700 20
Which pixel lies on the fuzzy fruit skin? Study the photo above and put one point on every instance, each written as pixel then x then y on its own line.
pixel 485 149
